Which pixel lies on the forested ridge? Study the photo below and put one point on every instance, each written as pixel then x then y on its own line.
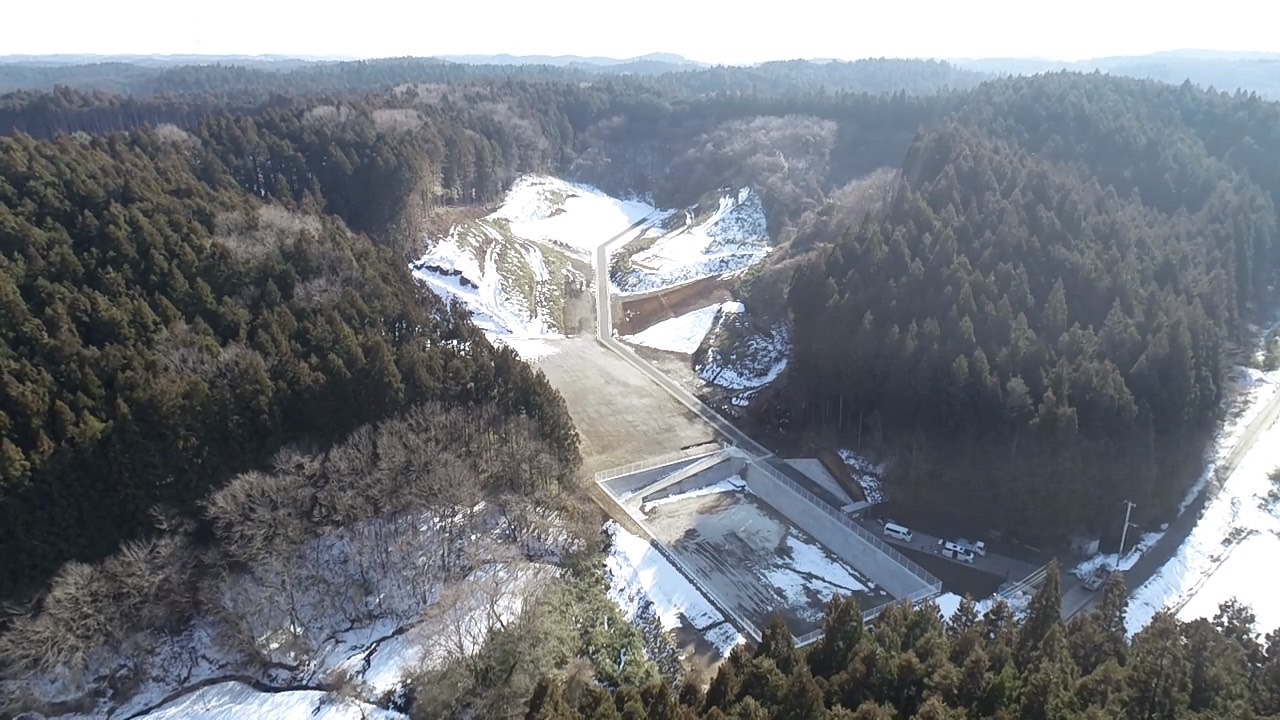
pixel 1038 327
pixel 914 664
pixel 236 82
pixel 161 331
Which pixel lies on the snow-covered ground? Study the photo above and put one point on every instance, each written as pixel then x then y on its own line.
pixel 733 237
pixel 813 573
pixel 577 217
pixel 1234 540
pixel 1235 532
pixel 637 571
pixel 684 333
pixel 866 473
pixel 236 700
pixel 758 361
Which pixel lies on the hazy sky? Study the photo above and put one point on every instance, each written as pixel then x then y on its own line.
pixel 727 32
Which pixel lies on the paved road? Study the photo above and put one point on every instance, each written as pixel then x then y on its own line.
pixel 604 333
pixel 992 563
pixel 1078 599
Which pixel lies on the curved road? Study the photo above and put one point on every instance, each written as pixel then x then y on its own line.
pixel 1078 599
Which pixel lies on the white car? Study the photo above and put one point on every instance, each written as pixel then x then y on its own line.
pixel 977 548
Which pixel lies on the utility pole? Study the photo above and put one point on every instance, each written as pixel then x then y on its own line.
pixel 1129 506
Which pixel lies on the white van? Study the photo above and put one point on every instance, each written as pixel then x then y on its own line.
pixel 954 551
pixel 897 532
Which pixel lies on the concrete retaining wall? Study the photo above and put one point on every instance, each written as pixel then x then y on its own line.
pixel 636 482
pixel 695 477
pixel 857 552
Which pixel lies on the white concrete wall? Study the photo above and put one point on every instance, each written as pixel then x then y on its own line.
pixel 845 543
pixel 694 477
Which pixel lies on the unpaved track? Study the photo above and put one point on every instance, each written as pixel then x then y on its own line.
pixel 622 416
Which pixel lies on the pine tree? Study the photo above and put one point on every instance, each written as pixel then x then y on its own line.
pixel 1159 673
pixel 778 645
pixel 842 631
pixel 1044 614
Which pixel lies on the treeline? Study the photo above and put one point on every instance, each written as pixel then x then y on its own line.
pixel 232 82
pixel 160 331
pixel 1038 328
pixel 915 665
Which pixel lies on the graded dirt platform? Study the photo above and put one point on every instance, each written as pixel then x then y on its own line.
pixel 622 416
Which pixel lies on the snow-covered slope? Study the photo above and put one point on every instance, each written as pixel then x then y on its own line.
pixel 512 267
pixel 575 217
pixel 733 237
pixel 737 358
pixel 515 268
pixel 505 280
pixel 1233 539
pixel 236 700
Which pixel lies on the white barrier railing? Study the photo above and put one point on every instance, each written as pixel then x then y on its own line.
pixel 1032 580
pixel 653 463
pixel 924 575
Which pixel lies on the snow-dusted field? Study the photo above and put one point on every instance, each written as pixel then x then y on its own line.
pixel 682 334
pixel 733 237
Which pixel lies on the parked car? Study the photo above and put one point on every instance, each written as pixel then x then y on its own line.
pixel 1097 578
pixel 951 550
pixel 977 548
pixel 897 532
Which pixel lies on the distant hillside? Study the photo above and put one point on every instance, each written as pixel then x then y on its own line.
pixel 276 61
pixel 570 60
pixel 1256 72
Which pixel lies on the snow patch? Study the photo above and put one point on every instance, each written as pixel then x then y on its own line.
pixel 758 361
pixel 637 571
pixel 814 560
pixel 734 483
pixel 531 349
pixel 724 638
pixel 734 237
pixel 1114 561
pixel 682 334
pixel 810 577
pixel 866 473
pixel 235 700
pixel 948 604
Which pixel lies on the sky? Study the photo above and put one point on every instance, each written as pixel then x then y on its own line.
pixel 715 32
